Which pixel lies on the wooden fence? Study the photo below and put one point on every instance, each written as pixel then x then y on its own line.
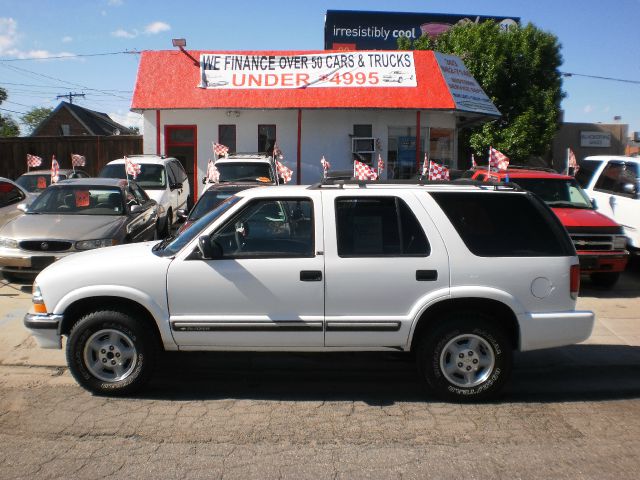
pixel 97 150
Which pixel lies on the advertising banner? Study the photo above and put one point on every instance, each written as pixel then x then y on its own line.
pixel 465 90
pixel 348 69
pixel 366 30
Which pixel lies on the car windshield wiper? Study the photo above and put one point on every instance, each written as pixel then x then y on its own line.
pixel 163 243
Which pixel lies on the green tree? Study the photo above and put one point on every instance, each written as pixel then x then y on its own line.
pixel 35 116
pixel 518 69
pixel 8 127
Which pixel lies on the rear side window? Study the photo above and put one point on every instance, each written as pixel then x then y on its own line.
pixel 505 225
pixel 9 194
pixel 378 226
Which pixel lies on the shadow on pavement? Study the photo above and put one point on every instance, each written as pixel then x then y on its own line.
pixel 627 287
pixel 576 373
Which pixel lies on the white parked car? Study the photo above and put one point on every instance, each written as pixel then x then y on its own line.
pixel 164 180
pixel 614 183
pixel 246 167
pixel 430 269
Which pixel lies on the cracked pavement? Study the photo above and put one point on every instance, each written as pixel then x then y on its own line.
pixel 571 412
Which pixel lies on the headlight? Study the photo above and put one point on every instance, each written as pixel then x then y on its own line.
pixel 99 243
pixel 8 242
pixel 619 242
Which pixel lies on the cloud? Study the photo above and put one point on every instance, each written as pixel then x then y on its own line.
pixel 67 39
pixel 9 40
pixel 122 33
pixel 128 119
pixel 588 109
pixel 156 27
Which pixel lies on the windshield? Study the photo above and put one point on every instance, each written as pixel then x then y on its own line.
pixel 79 200
pixel 172 245
pixel 207 202
pixel 238 172
pixel 37 182
pixel 151 176
pixel 556 192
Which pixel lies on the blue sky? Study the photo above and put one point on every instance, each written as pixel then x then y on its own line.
pixel 598 39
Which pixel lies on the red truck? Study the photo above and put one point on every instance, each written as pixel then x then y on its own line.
pixel 599 241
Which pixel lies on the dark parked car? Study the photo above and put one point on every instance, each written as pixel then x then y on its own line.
pixel 76 215
pixel 36 181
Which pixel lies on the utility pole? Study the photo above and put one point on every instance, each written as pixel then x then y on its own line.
pixel 71 95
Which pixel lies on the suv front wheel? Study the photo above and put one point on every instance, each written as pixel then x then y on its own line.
pixel 465 358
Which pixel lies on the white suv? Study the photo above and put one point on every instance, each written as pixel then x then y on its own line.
pixel 431 269
pixel 614 183
pixel 247 167
pixel 164 180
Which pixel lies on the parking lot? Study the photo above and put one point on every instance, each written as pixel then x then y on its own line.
pixel 571 412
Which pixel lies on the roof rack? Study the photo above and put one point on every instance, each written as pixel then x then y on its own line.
pixel 340 183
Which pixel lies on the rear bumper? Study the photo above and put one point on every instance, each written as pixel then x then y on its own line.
pixel 45 328
pixel 603 261
pixel 555 329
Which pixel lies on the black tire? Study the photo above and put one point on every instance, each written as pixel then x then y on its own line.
pixel 604 279
pixel 124 364
pixel 482 370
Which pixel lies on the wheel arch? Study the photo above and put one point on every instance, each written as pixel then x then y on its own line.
pixel 79 308
pixel 497 312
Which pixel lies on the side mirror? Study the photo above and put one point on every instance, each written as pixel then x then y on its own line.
pixel 182 214
pixel 23 207
pixel 209 249
pixel 594 203
pixel 204 180
pixel 135 208
pixel 175 186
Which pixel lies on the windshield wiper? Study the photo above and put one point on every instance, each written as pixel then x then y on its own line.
pixel 163 243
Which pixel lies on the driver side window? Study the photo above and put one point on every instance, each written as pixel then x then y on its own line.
pixel 269 228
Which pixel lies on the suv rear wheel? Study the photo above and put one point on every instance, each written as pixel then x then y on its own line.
pixel 465 358
pixel 108 352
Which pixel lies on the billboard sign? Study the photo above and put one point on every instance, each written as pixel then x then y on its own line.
pixel 595 139
pixel 357 30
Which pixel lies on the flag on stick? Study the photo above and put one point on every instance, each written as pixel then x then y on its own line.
pixel 498 159
pixel 572 163
pixel 77 160
pixel 438 172
pixel 325 166
pixel 380 165
pixel 284 172
pixel 55 169
pixel 425 166
pixel 220 150
pixel 33 161
pixel 213 174
pixel 131 167
pixel 362 171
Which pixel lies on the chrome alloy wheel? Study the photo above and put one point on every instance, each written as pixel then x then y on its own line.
pixel 110 355
pixel 467 360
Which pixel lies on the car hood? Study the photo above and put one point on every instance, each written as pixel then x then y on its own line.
pixel 63 227
pixel 582 217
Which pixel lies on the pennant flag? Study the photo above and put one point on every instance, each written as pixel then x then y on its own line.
pixel 220 150
pixel 425 166
pixel 284 172
pixel 498 159
pixel 363 171
pixel 33 161
pixel 277 153
pixel 438 172
pixel 131 167
pixel 55 169
pixel 213 175
pixel 78 160
pixel 572 163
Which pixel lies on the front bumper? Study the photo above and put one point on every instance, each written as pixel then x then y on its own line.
pixel 603 261
pixel 45 328
pixel 20 261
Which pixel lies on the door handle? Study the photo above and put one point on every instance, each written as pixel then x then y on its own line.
pixel 426 275
pixel 310 276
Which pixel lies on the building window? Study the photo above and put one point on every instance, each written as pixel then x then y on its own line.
pixel 441 146
pixel 65 129
pixel 266 138
pixel 362 131
pixel 227 136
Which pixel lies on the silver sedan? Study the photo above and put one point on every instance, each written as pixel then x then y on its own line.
pixel 76 215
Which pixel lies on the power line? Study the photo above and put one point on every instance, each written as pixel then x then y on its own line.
pixel 568 74
pixel 13 111
pixel 69 56
pixel 56 86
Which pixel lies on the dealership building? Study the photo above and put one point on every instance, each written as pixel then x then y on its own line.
pixel 340 105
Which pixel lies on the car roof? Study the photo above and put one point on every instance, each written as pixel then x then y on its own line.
pixel 229 187
pixel 613 157
pixel 93 182
pixel 42 171
pixel 148 159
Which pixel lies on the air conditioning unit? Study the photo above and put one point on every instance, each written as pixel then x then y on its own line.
pixel 363 145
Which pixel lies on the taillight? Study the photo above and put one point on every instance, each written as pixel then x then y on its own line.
pixel 574 282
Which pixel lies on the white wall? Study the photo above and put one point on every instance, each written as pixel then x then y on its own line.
pixel 324 132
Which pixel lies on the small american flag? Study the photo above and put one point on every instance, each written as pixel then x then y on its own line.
pixel 380 164
pixel 277 153
pixel 220 150
pixel 363 171
pixel 213 175
pixel 33 161
pixel 78 160
pixel 283 171
pixel 131 167
pixel 438 172
pixel 425 166
pixel 55 169
pixel 498 159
